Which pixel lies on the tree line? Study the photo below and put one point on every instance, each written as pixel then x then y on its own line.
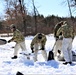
pixel 44 24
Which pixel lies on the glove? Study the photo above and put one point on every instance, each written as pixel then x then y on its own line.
pixel 72 37
pixel 57 37
pixel 42 48
pixel 59 51
pixel 32 49
pixel 60 38
pixel 9 41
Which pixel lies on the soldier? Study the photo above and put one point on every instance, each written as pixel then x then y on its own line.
pixel 68 36
pixel 58 43
pixel 39 41
pixel 19 39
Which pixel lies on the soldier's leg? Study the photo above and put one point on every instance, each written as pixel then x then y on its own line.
pixel 16 48
pixel 69 50
pixel 58 46
pixel 55 51
pixel 35 56
pixel 23 47
pixel 44 54
pixel 35 52
pixel 64 48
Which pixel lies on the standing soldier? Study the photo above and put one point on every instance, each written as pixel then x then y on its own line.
pixel 39 41
pixel 19 39
pixel 59 38
pixel 68 35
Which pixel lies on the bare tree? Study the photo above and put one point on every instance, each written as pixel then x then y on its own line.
pixel 16 13
pixel 35 15
pixel 22 8
pixel 69 8
pixel 72 18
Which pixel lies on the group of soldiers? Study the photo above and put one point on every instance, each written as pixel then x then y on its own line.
pixel 63 33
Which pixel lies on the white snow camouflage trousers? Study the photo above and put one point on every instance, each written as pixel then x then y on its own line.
pixel 66 48
pixel 18 46
pixel 58 46
pixel 37 47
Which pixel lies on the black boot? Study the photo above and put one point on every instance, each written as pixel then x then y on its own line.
pixel 65 63
pixel 15 57
pixel 70 62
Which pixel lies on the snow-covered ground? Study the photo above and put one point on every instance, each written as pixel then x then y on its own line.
pixel 10 66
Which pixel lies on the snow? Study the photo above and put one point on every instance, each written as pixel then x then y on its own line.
pixel 10 66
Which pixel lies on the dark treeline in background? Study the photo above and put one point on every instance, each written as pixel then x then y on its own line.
pixel 44 24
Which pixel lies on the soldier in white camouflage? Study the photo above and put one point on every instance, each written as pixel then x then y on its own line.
pixel 19 39
pixel 38 43
pixel 68 36
pixel 58 42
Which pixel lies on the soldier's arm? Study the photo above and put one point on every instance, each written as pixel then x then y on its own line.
pixel 55 31
pixel 44 39
pixel 33 42
pixel 15 36
pixel 73 33
pixel 59 31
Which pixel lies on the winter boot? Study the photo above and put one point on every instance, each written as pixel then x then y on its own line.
pixel 65 63
pixel 15 57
